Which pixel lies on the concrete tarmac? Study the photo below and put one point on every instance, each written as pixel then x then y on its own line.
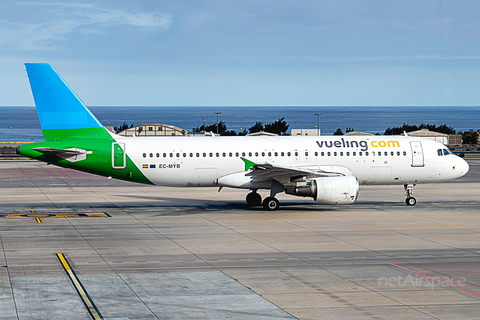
pixel 169 253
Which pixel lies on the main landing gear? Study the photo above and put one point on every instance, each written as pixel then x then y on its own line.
pixel 270 203
pixel 254 199
pixel 410 201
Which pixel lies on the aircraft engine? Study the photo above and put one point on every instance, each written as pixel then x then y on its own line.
pixel 332 190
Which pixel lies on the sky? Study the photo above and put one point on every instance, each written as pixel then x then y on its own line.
pixel 246 52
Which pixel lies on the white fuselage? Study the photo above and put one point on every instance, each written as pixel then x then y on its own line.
pixel 199 161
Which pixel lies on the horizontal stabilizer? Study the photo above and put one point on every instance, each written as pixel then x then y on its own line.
pixel 72 155
pixel 58 151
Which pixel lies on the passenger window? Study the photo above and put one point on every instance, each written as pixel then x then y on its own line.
pixel 348 154
pixel 398 153
pixel 151 155
pixel 360 153
pixel 217 154
pixel 263 154
pixel 224 154
pixel 392 153
pixel 354 153
pixel 243 154
pixel 210 154
pixel 316 154
pixel 256 154
pixel 269 154
pixel 158 155
pixel 164 155
pixel 144 155
pixel 249 154
pixel 184 155
pixel 341 154
pixel 366 153
pixel 289 154
pixel 198 155
pixel 386 153
pixel 322 154
pixel 171 155
pixel 404 153
pixel 230 154
pixel 328 153
pixel 204 154
pixel 282 153
pixel 178 155
pixel 191 155
pixel 306 153
pixel 236 154
pixel 276 154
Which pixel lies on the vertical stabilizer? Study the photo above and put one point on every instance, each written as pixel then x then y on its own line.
pixel 60 111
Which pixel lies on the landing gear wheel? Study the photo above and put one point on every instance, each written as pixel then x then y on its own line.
pixel 270 203
pixel 254 199
pixel 411 201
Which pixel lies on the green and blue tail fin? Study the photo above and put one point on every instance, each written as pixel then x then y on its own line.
pixel 61 112
pixel 74 138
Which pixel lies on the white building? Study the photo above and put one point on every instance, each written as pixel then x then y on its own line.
pixel 305 132
pixel 432 135
pixel 153 130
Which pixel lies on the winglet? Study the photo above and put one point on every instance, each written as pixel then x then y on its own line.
pixel 248 163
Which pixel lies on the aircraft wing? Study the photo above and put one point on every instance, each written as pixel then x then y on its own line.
pixel 266 171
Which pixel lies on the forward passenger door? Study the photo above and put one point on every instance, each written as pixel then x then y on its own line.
pixel 417 154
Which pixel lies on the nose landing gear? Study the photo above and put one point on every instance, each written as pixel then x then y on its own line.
pixel 410 201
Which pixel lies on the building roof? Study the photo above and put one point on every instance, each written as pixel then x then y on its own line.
pixel 358 133
pixel 262 133
pixel 426 133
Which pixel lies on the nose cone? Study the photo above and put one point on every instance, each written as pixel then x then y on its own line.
pixel 462 167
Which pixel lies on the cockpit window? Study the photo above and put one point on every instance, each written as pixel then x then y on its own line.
pixel 444 152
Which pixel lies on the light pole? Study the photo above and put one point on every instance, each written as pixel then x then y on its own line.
pixel 318 118
pixel 217 113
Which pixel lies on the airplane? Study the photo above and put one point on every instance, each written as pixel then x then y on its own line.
pixel 328 169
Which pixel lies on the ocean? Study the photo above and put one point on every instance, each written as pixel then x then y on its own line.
pixel 21 123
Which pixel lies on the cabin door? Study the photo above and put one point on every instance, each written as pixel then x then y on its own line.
pixel 118 155
pixel 417 154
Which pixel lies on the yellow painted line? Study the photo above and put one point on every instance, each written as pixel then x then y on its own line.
pixel 38 220
pixel 55 215
pixel 92 309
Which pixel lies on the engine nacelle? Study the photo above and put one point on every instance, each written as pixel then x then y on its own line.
pixel 332 190
pixel 337 190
